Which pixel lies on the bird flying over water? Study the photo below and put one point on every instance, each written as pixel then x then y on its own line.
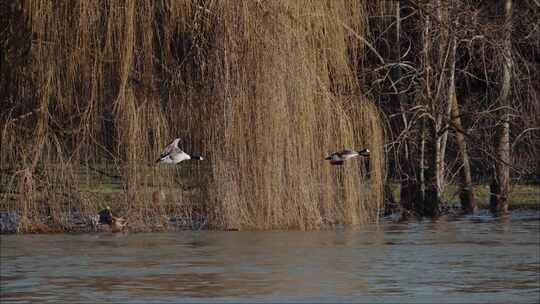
pixel 173 154
pixel 337 158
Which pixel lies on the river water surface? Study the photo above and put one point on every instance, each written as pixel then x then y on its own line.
pixel 475 259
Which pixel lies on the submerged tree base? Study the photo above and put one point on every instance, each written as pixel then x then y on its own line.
pixel 521 197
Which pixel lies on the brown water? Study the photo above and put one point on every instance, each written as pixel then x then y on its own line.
pixel 469 260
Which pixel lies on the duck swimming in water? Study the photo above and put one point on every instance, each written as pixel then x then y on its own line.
pixel 173 154
pixel 117 224
pixel 337 158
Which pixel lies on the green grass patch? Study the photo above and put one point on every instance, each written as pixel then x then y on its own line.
pixel 522 196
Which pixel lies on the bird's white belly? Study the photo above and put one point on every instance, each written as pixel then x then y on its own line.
pixel 168 160
pixel 179 157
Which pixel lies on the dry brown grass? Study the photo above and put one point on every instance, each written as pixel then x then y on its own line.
pixel 262 89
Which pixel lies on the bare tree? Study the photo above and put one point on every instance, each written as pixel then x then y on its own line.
pixel 409 182
pixel 500 184
pixel 430 157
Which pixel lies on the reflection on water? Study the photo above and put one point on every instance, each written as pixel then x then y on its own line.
pixel 472 259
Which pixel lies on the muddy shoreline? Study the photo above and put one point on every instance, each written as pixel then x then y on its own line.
pixel 11 222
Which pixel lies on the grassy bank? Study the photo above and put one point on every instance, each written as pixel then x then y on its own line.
pixel 522 196
pixel 175 204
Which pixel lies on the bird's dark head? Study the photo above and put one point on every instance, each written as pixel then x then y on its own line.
pixel 105 215
pixel 364 152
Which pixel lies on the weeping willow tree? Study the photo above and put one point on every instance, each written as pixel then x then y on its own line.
pixel 262 89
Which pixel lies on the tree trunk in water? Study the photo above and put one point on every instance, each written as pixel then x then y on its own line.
pixel 431 193
pixel 500 185
pixel 466 195
pixel 422 162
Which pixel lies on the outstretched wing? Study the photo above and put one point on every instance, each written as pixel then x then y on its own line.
pixel 171 147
